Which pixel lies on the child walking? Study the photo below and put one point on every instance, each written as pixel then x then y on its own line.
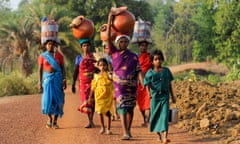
pixel 158 81
pixel 102 89
pixel 115 115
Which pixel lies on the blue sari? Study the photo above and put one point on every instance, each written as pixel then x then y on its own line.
pixel 53 94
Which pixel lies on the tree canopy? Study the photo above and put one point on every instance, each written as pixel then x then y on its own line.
pixel 186 30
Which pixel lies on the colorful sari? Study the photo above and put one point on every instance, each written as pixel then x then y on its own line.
pixel 143 98
pixel 53 94
pixel 86 71
pixel 159 83
pixel 125 76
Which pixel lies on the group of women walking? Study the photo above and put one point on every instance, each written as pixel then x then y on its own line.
pixel 134 79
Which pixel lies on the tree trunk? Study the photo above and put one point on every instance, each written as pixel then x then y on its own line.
pixel 26 63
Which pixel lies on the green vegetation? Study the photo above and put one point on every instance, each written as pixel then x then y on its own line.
pixel 194 76
pixel 186 31
pixel 17 84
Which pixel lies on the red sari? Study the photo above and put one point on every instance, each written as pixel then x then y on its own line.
pixel 86 71
pixel 143 98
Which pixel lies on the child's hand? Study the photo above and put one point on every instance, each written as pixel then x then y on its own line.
pixel 118 100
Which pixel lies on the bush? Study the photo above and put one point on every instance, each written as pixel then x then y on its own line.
pixel 16 84
pixel 234 74
pixel 214 79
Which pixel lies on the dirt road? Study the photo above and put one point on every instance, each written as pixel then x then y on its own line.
pixel 21 122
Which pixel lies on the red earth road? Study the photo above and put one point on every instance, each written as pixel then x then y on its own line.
pixel 23 123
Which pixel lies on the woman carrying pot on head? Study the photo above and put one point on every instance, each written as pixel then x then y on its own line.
pixel 126 73
pixel 84 70
pixel 143 98
pixel 52 82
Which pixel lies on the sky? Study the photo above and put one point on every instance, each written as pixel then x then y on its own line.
pixel 14 4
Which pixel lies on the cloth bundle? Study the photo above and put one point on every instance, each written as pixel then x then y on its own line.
pixel 49 30
pixel 141 31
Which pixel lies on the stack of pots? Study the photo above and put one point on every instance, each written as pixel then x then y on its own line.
pixel 82 27
pixel 123 23
pixel 49 30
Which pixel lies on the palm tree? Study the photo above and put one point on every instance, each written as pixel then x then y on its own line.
pixel 6 57
pixel 19 37
pixel 70 46
pixel 24 33
pixel 59 14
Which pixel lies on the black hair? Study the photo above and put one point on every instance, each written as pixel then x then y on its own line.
pixel 50 41
pixel 104 60
pixel 139 43
pixel 85 43
pixel 157 52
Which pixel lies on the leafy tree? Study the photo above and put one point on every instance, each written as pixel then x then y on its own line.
pixel 203 46
pixel 97 10
pixel 37 10
pixel 184 30
pixel 24 31
pixel 163 26
pixel 228 32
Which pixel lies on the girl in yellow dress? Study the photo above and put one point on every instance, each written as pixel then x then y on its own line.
pixel 102 89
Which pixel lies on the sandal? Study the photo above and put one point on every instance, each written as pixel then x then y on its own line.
pixel 91 125
pixel 49 125
pixel 159 137
pixel 55 125
pixel 125 137
pixel 144 124
pixel 109 132
pixel 130 135
pixel 166 141
pixel 102 131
